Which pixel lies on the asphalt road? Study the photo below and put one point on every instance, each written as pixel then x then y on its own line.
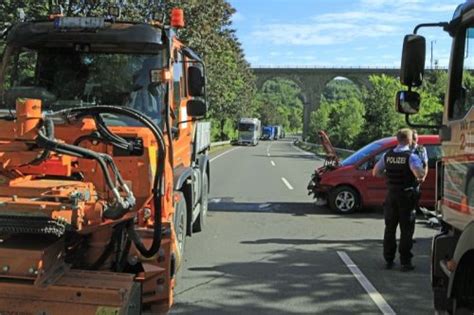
pixel 268 250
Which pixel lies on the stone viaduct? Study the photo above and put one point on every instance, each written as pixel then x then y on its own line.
pixel 312 82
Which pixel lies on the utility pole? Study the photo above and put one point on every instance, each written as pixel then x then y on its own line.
pixel 432 42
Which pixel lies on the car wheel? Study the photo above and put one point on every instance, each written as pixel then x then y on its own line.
pixel 344 200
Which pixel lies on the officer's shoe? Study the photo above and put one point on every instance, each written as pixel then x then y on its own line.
pixel 389 265
pixel 407 267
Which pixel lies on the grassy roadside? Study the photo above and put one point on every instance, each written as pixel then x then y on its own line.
pixel 219 148
pixel 316 150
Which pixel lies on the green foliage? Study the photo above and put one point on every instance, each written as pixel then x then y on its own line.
pixel 353 118
pixel 341 114
pixel 279 103
pixel 340 89
pixel 231 84
pixel 381 119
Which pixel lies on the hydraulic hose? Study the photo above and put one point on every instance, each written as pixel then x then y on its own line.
pixel 48 127
pixel 158 179
pixel 122 206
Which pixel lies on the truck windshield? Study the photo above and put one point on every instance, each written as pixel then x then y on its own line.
pixel 463 96
pixel 87 79
pixel 246 127
pixel 362 153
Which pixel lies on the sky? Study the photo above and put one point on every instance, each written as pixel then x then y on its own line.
pixel 338 33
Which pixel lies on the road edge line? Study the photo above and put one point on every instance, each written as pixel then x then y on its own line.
pixel 376 297
pixel 224 153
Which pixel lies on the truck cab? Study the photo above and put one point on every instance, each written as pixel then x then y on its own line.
pixel 112 171
pixel 453 248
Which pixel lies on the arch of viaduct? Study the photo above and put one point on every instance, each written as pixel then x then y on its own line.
pixel 312 82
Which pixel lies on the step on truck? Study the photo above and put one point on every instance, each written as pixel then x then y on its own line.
pixel 452 258
pixel 104 166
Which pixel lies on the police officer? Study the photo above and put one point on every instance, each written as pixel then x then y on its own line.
pixel 403 171
pixel 423 155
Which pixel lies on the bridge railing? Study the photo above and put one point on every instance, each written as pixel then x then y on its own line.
pixel 333 67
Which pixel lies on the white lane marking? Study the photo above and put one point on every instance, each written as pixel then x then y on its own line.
pixel 287 183
pixel 268 149
pixel 365 283
pixel 218 156
pixel 273 163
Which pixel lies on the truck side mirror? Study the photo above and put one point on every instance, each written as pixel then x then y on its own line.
pixel 195 81
pixel 196 108
pixel 407 102
pixel 412 68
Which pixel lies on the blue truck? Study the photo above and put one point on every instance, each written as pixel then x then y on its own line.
pixel 268 133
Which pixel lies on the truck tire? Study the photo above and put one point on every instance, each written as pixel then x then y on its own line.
pixel 344 200
pixel 198 226
pixel 180 223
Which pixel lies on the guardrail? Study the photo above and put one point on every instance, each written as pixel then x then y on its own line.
pixel 216 144
pixel 342 152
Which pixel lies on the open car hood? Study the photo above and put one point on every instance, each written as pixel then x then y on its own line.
pixel 331 154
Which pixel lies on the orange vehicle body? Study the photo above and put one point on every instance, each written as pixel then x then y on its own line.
pixel 62 251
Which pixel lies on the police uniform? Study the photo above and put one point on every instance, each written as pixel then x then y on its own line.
pixel 420 151
pixel 400 202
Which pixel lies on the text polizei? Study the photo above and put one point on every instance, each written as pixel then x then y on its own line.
pixel 396 160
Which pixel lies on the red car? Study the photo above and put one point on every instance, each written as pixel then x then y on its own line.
pixel 349 185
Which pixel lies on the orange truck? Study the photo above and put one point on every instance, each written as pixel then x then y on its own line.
pixel 104 166
pixel 452 258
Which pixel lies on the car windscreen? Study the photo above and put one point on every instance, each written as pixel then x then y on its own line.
pixel 362 153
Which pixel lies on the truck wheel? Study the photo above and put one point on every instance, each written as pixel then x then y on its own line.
pixel 198 226
pixel 344 200
pixel 180 223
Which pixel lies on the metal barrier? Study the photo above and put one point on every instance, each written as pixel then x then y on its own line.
pixel 343 152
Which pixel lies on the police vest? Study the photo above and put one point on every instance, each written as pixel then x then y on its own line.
pixel 397 169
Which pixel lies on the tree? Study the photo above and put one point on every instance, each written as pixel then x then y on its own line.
pixel 231 84
pixel 280 104
pixel 340 114
pixel 381 118
pixel 341 118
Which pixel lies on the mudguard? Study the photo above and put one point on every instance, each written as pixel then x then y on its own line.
pixel 181 173
pixel 465 244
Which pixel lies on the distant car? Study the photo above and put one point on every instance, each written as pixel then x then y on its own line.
pixel 349 185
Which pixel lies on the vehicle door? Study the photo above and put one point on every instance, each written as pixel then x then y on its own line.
pixel 375 188
pixel 428 188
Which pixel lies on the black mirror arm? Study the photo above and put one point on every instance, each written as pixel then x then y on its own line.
pixel 191 120
pixel 440 24
pixel 409 123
